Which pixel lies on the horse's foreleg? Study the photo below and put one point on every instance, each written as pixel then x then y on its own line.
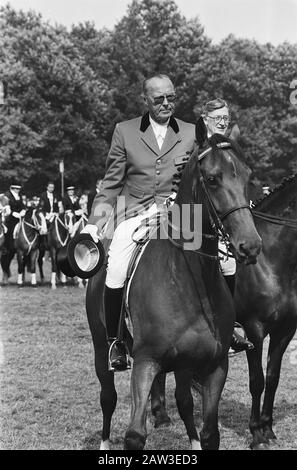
pixel 143 373
pixel 21 267
pixel 185 405
pixel 212 387
pixel 279 341
pixel 6 259
pixel 40 263
pixel 33 260
pixel 158 401
pixel 256 378
pixel 108 394
pixel 63 279
pixel 54 267
pixel 80 283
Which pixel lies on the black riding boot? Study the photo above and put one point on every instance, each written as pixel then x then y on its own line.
pixel 238 343
pixel 118 358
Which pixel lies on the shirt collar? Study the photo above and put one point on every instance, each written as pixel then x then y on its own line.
pixel 15 195
pixel 159 129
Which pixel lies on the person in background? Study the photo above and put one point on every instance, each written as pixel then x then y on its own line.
pixel 17 206
pixel 71 201
pixel 92 194
pixel 49 200
pixel 215 119
pixel 16 211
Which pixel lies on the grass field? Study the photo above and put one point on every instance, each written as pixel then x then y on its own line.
pixel 50 394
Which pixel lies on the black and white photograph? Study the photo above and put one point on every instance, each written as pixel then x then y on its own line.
pixel 148 227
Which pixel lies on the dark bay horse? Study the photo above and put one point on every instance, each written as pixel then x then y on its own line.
pixel 181 309
pixel 57 237
pixel 266 302
pixel 32 225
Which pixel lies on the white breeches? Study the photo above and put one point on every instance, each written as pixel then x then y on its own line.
pixel 228 264
pixel 122 246
pixel 121 249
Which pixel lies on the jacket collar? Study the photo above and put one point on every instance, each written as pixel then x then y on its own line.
pixel 148 137
pixel 145 123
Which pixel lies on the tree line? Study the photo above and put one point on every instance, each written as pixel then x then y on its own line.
pixel 64 90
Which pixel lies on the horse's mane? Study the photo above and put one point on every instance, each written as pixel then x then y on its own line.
pixel 267 199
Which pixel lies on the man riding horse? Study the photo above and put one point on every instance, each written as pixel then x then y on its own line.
pixel 16 211
pixel 140 166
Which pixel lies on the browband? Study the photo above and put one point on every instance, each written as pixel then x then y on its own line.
pixel 221 145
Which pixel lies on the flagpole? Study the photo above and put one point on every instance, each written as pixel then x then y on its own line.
pixel 61 168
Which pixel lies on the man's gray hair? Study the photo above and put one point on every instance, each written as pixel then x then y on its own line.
pixel 213 105
pixel 147 80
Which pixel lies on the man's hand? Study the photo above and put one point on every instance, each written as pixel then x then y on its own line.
pixel 92 230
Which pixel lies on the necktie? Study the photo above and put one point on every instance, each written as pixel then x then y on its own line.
pixel 160 140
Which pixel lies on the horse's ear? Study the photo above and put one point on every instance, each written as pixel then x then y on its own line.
pixel 235 133
pixel 201 132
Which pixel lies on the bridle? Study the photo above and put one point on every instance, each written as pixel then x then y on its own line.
pixel 65 225
pixel 216 220
pixel 36 226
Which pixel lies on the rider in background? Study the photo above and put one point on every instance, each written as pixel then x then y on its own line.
pixel 215 119
pixel 49 200
pixel 92 194
pixel 17 206
pixel 71 203
pixel 16 211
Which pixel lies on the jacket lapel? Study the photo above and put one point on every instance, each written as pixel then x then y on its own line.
pixel 148 137
pixel 171 139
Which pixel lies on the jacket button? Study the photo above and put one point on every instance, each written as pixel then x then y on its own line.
pixel 159 162
pixel 157 172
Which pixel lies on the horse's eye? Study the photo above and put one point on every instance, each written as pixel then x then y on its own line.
pixel 211 180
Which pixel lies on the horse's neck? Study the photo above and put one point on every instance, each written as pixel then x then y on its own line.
pixel 279 201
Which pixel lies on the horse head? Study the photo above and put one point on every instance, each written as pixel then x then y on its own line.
pixel 218 179
pixel 35 216
pixel 68 220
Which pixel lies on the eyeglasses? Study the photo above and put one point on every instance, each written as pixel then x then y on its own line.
pixel 157 100
pixel 218 119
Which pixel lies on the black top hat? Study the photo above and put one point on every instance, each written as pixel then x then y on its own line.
pixel 82 257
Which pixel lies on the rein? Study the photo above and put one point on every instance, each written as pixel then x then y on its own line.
pixel 63 243
pixel 216 220
pixel 273 219
pixel 36 226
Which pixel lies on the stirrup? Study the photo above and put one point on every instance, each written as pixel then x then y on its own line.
pixel 111 344
pixel 233 352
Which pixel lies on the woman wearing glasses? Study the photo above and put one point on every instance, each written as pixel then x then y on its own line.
pixel 215 119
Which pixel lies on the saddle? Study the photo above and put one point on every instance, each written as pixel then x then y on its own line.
pixel 141 236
